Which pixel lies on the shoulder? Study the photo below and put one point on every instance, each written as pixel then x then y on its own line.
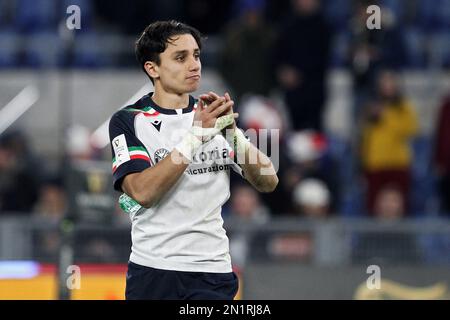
pixel 126 115
pixel 122 121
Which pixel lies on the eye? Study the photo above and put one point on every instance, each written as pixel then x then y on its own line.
pixel 179 58
pixel 197 55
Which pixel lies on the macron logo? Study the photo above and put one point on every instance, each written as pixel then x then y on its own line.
pixel 157 124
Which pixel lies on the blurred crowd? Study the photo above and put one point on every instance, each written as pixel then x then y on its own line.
pixel 274 57
pixel 274 49
pixel 34 34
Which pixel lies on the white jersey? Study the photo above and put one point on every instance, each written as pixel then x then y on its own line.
pixel 184 230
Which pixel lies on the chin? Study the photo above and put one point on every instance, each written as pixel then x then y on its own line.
pixel 192 88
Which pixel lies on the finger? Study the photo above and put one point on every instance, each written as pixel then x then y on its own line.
pixel 210 97
pixel 215 104
pixel 204 97
pixel 227 96
pixel 200 104
pixel 235 115
pixel 222 109
pixel 214 95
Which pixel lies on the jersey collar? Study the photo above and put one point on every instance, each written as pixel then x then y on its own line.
pixel 149 102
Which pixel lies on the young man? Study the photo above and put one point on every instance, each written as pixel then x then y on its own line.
pixel 170 156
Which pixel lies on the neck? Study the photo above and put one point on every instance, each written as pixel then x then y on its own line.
pixel 170 100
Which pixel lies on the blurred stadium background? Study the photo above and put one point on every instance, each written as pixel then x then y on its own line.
pixel 364 160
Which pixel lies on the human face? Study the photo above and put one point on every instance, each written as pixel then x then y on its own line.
pixel 389 204
pixel 388 84
pixel 179 70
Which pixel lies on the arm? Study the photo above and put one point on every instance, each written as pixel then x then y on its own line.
pixel 260 173
pixel 256 166
pixel 148 186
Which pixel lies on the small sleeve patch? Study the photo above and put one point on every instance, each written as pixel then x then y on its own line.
pixel 120 147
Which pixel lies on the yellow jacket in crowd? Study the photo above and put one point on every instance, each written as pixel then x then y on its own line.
pixel 386 143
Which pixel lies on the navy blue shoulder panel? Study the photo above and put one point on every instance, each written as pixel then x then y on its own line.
pixel 128 152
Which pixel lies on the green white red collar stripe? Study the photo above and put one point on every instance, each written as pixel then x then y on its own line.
pixel 146 111
pixel 135 153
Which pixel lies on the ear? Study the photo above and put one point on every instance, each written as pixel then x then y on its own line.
pixel 152 69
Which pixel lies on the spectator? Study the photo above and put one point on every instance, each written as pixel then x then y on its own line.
pixel 52 202
pixel 371 49
pixel 389 126
pixel 246 49
pixel 246 208
pixel 246 205
pixel 312 199
pixel 387 246
pixel 49 210
pixel 300 60
pixel 310 159
pixel 389 204
pixel 19 174
pixel 441 157
pixel 258 112
pixel 79 146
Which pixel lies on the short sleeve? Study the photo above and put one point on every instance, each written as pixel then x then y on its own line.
pixel 129 154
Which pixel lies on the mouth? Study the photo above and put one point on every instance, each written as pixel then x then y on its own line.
pixel 194 77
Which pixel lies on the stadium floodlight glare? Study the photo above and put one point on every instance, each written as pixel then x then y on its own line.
pixel 100 137
pixel 18 106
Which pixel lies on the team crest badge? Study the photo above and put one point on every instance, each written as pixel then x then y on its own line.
pixel 161 154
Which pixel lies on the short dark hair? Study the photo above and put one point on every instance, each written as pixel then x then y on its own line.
pixel 157 35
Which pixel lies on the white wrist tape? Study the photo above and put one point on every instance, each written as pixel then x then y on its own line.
pixel 209 133
pixel 189 145
pixel 224 121
pixel 241 143
pixel 205 133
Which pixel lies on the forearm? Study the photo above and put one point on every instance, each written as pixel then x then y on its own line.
pixel 148 186
pixel 256 166
pixel 260 173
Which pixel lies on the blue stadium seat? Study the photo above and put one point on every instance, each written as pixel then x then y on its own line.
pixel 9 49
pixel 36 16
pixel 43 50
pixel 337 13
pixel 423 186
pixel 443 15
pixel 440 49
pixel 434 15
pixel 415 47
pixel 425 11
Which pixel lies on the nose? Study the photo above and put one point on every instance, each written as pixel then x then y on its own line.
pixel 194 64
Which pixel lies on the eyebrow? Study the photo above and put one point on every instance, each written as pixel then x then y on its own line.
pixel 184 52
